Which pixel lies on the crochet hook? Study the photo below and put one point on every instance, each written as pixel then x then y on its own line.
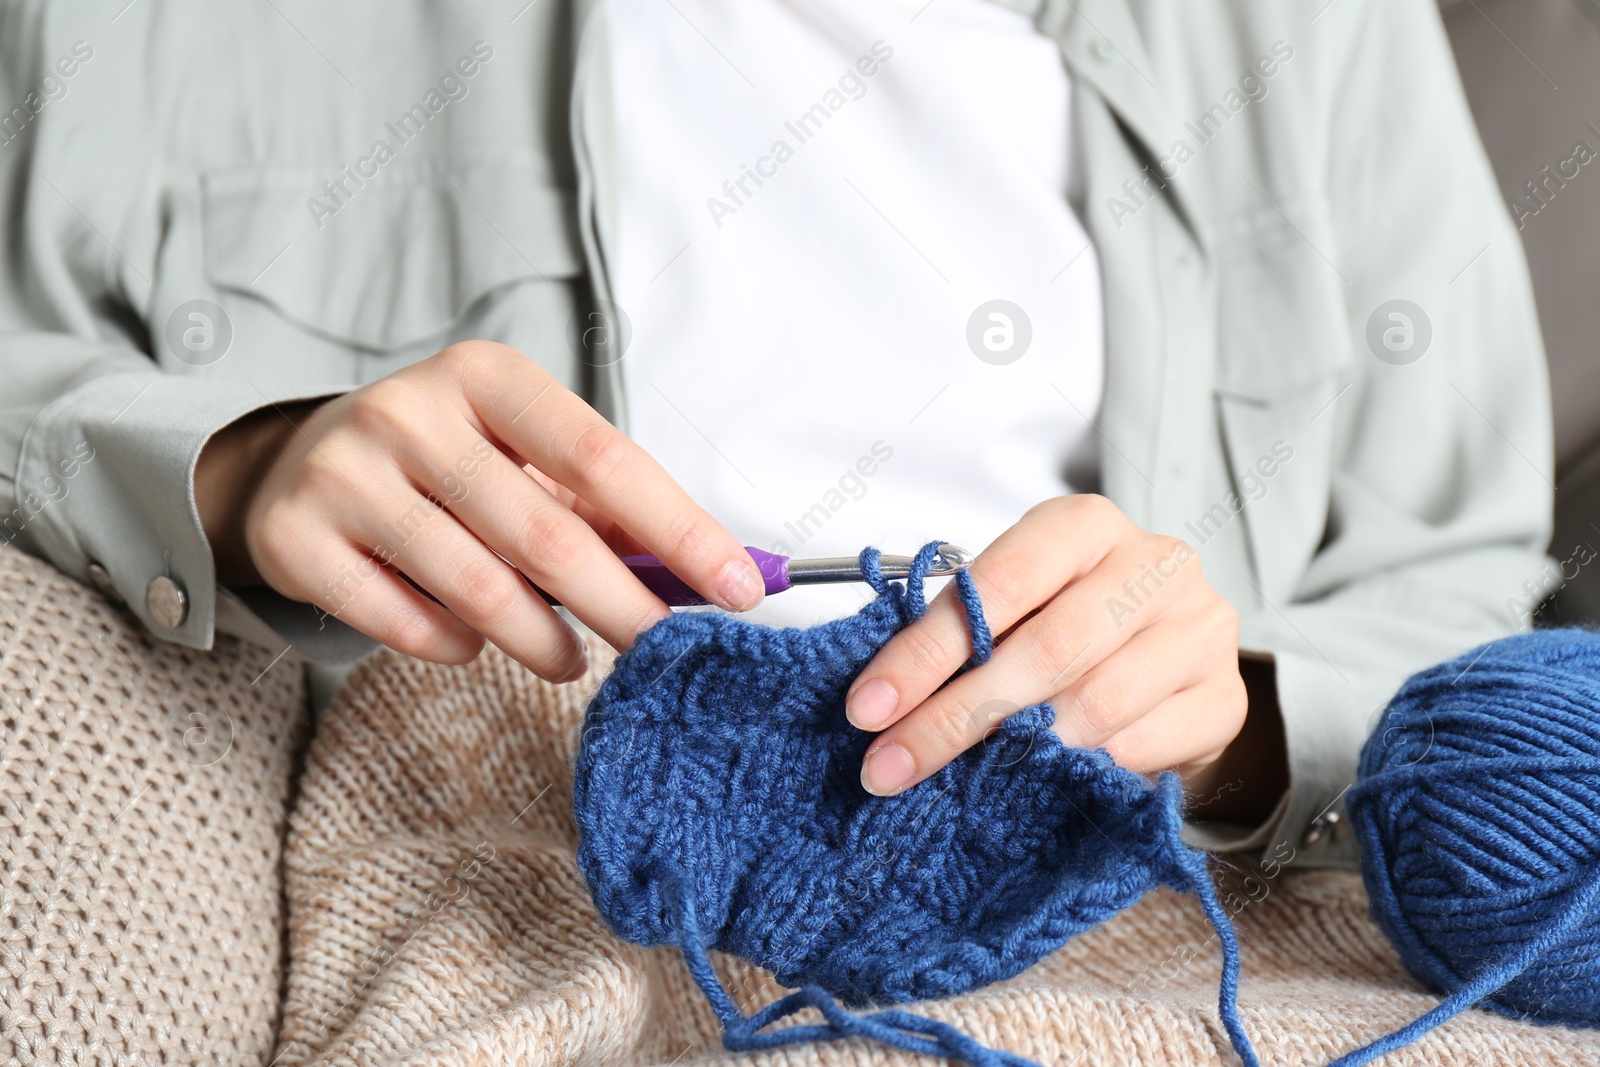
pixel 781 572
pixel 777 573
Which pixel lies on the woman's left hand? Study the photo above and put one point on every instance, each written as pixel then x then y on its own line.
pixel 1112 624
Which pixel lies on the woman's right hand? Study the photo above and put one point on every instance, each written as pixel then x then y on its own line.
pixel 438 471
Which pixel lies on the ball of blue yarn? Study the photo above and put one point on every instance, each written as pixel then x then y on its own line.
pixel 1478 812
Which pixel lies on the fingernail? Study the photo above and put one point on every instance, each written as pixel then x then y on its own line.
pixel 869 707
pixel 739 585
pixel 886 770
pixel 581 669
pixel 578 670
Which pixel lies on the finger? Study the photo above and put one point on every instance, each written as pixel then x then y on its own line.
pixel 616 538
pixel 557 432
pixel 356 588
pixel 620 541
pixel 513 514
pixel 1025 567
pixel 431 547
pixel 1185 732
pixel 1122 676
pixel 1118 691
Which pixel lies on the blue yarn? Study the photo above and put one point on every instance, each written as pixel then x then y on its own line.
pixel 718 800
pixel 1478 813
pixel 719 807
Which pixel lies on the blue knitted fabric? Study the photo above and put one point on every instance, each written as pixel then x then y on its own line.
pixel 719 803
pixel 717 795
pixel 1478 812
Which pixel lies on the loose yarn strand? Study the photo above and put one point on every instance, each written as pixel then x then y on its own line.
pixel 692 944
pixel 966 590
pixel 1198 880
pixel 741 1033
pixel 1552 933
pixel 977 625
pixel 872 570
pixel 921 564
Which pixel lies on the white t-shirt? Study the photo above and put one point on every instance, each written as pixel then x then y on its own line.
pixel 816 197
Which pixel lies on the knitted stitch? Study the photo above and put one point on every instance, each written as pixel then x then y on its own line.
pixel 718 800
pixel 143 787
pixel 417 764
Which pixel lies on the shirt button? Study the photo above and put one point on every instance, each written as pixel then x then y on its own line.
pixel 166 601
pixel 101 579
pixel 1327 825
pixel 1103 48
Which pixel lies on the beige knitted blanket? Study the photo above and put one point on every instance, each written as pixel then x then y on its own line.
pixel 143 791
pixel 435 914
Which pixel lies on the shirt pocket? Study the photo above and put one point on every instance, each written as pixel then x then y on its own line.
pixel 386 266
pixel 1284 355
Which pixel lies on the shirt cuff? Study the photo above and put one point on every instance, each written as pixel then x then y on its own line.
pixel 1328 709
pixel 105 490
pixel 1232 837
pixel 271 619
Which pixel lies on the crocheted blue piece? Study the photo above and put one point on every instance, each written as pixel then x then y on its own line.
pixel 719 804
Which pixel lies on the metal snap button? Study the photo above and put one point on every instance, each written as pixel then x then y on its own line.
pixel 100 578
pixel 1327 825
pixel 166 601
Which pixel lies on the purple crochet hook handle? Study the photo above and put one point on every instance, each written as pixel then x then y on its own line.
pixel 781 572
pixel 677 593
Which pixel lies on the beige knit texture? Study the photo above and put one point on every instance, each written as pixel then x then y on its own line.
pixel 142 792
pixel 437 916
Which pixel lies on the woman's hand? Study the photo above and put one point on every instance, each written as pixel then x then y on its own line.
pixel 437 472
pixel 1114 625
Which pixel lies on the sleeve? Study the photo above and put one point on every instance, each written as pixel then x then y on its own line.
pixel 98 443
pixel 102 447
pixel 1442 481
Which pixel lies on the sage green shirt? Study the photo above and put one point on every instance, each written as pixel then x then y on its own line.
pixel 208 208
